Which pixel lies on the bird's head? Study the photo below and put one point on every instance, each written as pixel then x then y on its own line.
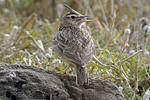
pixel 73 18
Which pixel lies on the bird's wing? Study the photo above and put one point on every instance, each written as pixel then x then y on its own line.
pixel 77 47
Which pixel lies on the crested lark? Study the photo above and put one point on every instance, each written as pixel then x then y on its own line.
pixel 73 44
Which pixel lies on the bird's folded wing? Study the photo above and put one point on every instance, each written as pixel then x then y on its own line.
pixel 82 58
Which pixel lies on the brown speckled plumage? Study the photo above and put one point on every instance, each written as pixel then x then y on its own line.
pixel 73 44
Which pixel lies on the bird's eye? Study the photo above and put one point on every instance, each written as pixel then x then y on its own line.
pixel 72 17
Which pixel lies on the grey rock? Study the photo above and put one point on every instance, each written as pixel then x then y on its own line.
pixel 22 82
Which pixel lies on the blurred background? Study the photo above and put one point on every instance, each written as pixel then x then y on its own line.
pixel 120 29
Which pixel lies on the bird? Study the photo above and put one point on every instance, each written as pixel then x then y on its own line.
pixel 73 44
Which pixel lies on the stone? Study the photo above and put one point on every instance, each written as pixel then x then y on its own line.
pixel 22 82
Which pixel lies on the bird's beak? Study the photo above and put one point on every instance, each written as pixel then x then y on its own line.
pixel 86 16
pixel 82 18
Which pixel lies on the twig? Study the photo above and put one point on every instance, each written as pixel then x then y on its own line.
pixel 12 6
pixel 104 13
pixel 34 41
pixel 130 56
pixel 24 25
pixel 99 24
pixel 95 59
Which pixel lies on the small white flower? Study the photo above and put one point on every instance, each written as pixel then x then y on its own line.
pixel 126 35
pixel 56 61
pixel 120 88
pixel 41 45
pixel 13 35
pixel 146 95
pixel 131 52
pixel 7 37
pixel 146 53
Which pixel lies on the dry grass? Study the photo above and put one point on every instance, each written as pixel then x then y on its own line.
pixel 120 29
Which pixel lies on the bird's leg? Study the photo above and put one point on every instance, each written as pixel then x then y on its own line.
pixel 64 73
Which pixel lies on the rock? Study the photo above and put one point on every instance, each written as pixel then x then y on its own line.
pixel 22 82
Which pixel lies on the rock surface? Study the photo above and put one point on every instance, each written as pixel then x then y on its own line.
pixel 22 82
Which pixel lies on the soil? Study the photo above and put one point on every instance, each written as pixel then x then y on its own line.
pixel 22 82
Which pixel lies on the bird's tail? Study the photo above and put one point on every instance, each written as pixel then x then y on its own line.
pixel 81 75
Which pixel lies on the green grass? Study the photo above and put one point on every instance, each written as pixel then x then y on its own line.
pixel 122 47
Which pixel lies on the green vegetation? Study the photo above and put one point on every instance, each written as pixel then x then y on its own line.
pixel 120 29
